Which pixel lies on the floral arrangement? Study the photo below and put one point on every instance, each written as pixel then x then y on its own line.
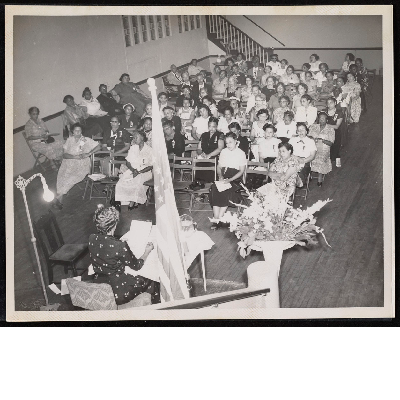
pixel 266 220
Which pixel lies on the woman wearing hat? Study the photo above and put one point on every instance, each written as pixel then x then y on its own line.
pixel 110 256
pixel 130 119
pixel 129 92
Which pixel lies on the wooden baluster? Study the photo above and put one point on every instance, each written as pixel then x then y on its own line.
pixel 252 48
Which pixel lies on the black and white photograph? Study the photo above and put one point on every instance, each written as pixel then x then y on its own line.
pixel 228 163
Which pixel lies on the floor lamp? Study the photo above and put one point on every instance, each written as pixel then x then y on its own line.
pixel 48 196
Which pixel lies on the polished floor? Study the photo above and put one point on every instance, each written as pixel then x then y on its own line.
pixel 350 274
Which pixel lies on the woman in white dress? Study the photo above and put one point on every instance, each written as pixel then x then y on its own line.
pixel 306 113
pixel 130 189
pixel 200 124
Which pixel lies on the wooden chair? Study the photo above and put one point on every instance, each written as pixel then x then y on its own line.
pixel 95 158
pixel 183 165
pixel 54 249
pixel 197 166
pixel 255 168
pixel 301 192
pixel 40 159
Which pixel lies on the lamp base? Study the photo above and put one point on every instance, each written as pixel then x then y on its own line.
pixel 50 307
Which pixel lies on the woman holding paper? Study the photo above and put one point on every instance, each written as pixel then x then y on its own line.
pixel 109 257
pixel 130 189
pixel 231 165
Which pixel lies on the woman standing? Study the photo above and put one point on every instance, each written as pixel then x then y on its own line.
pixel 129 92
pixel 37 132
pixel 109 257
pixel 231 166
pixel 353 90
pixel 74 114
pixel 306 112
pixel 76 162
pixel 139 163
pixel 362 79
pixel 324 136
pixel 335 119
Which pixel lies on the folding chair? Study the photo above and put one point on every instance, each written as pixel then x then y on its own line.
pixel 305 189
pixel 183 165
pixel 40 159
pixel 255 168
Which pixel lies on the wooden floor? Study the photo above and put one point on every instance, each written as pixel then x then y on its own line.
pixel 348 275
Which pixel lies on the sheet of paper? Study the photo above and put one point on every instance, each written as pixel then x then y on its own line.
pixel 64 287
pixel 90 270
pixel 222 186
pixel 54 288
pixel 138 236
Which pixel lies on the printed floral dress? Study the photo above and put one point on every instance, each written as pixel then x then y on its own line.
pixel 322 162
pixel 287 187
pixel 109 256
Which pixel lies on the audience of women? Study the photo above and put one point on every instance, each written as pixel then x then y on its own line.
pixel 74 114
pixel 137 170
pixel 129 92
pixel 324 136
pixel 76 162
pixel 305 150
pixel 306 112
pixel 37 133
pixel 110 256
pixel 230 168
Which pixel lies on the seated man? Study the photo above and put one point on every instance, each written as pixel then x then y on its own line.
pixel 170 116
pixel 174 78
pixel 193 68
pixel 107 102
pixel 174 141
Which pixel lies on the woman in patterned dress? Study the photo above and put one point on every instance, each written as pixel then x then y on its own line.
pixel 130 189
pixel 353 90
pixel 76 162
pixel 37 132
pixel 324 136
pixel 109 257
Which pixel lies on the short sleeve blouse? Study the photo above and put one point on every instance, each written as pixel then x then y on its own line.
pixel 201 125
pixel 232 158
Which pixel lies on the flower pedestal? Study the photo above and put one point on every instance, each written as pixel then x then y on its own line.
pixel 265 274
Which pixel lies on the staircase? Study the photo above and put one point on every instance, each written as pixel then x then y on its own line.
pixel 232 40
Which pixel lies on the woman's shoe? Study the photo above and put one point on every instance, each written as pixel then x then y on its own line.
pixel 319 184
pixel 215 226
pixel 135 205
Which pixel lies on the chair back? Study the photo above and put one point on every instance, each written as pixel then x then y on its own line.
pixel 191 145
pixel 29 143
pixel 48 234
pixel 96 157
pixel 91 296
pixel 256 168
pixel 115 162
pixel 186 167
pixel 204 165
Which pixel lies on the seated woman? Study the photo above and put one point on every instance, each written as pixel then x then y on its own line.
pixel 148 111
pixel 257 132
pixel 328 86
pixel 186 94
pixel 286 129
pixel 230 168
pixel 76 162
pixel 268 145
pixel 269 89
pixel 312 85
pixel 93 108
pixel 146 125
pixel 268 73
pixel 232 90
pixel 289 77
pixel 109 257
pixel 130 189
pixel 215 73
pixel 302 89
pixel 306 112
pixel 305 68
pixel 260 104
pixel 169 113
pixel 226 119
pixel 283 174
pixel 321 75
pixel 281 70
pixel 273 103
pixel 335 119
pixel 129 92
pixel 130 119
pixel 200 124
pixel 284 103
pixel 234 102
pixel 304 150
pixel 107 102
pixel 115 139
pixel 174 141
pixel 243 141
pixel 211 144
pixel 246 91
pixel 219 86
pixel 324 136
pixel 229 66
pixel 348 60
pixel 211 104
pixel 314 63
pixel 187 116
pixel 251 101
pixel 37 133
pixel 353 91
pixel 163 102
pixel 74 114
